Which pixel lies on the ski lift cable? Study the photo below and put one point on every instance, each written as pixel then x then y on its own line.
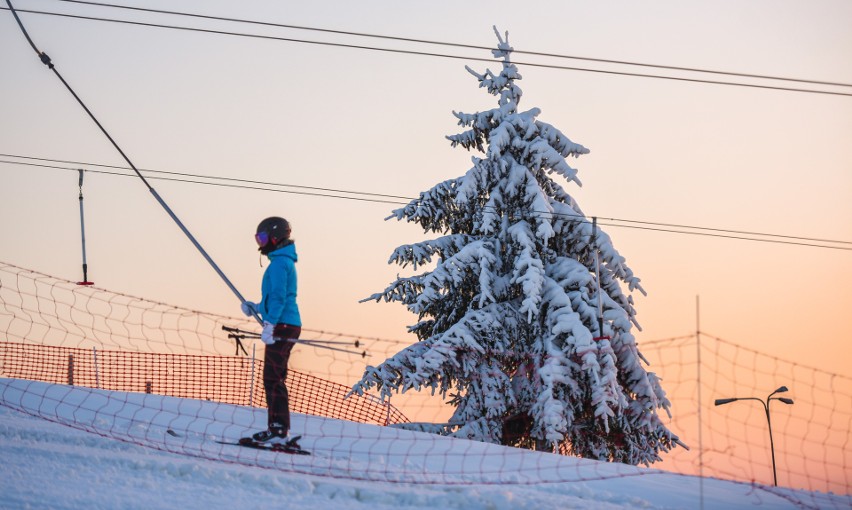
pixel 197 176
pixel 441 55
pixel 448 43
pixel 384 195
pixel 45 59
pixel 610 222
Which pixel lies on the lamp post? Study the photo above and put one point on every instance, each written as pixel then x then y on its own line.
pixel 788 401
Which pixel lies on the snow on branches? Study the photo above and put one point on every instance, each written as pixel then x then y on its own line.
pixel 518 328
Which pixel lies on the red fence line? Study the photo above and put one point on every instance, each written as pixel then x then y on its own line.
pixel 225 379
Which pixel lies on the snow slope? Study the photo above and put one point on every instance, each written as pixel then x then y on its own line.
pixel 59 450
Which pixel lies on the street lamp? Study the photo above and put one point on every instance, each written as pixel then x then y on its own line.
pixel 788 401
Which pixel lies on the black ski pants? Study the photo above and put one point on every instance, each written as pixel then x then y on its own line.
pixel 275 359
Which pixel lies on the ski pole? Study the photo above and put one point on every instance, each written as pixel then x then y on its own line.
pixel 239 344
pixel 239 334
pixel 45 59
pixel 356 343
pixel 309 343
pixel 252 334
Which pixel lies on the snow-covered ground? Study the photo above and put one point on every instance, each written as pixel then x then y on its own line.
pixel 64 447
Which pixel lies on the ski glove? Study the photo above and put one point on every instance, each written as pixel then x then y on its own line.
pixel 249 308
pixel 266 336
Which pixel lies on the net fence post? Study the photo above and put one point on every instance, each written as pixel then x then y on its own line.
pixel 70 370
pixel 251 377
pixel 388 417
pixel 700 403
pixel 97 370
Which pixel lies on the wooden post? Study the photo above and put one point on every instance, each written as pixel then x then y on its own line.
pixel 70 370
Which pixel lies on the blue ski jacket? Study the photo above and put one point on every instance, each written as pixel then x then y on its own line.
pixel 278 288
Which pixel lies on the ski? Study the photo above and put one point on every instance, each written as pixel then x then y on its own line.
pixel 292 449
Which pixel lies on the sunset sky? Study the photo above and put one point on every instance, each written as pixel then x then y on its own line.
pixel 663 152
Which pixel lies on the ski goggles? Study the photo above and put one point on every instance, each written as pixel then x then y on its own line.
pixel 262 239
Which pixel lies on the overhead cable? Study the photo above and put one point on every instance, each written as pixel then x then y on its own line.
pixel 45 59
pixel 450 44
pixel 228 182
pixel 440 55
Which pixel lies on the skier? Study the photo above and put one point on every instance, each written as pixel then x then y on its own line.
pixel 281 321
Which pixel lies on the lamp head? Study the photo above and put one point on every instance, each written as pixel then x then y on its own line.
pixel 723 401
pixel 788 401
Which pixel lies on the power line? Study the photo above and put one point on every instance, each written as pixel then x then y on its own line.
pixel 742 232
pixel 236 183
pixel 218 184
pixel 435 54
pixel 183 174
pixel 452 44
pixel 723 236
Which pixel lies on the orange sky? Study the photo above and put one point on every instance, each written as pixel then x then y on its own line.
pixel 661 151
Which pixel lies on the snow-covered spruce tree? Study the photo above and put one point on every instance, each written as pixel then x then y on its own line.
pixel 509 318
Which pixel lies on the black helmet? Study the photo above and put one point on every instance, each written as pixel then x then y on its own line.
pixel 272 233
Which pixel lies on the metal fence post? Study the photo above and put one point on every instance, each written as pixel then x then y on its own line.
pixel 251 378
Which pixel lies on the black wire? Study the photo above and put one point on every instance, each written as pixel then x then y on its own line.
pixel 407 198
pixel 46 61
pixel 218 184
pixel 706 234
pixel 452 44
pixel 229 179
pixel 43 56
pixel 728 231
pixel 644 225
pixel 433 54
